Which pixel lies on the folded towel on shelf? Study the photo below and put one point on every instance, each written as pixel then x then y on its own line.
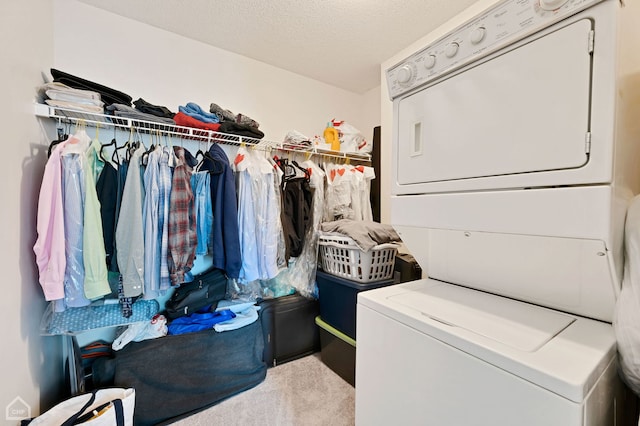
pixel 185 120
pixel 194 110
pixel 62 92
pixel 91 109
pixel 366 234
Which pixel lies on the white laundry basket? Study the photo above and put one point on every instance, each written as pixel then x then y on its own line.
pixel 340 256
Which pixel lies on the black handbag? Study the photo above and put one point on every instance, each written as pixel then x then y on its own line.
pixel 206 289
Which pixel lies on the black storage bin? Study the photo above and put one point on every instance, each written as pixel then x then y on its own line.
pixel 338 297
pixel 288 325
pixel 338 351
pixel 406 268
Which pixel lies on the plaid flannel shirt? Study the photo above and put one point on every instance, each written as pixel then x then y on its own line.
pixel 182 221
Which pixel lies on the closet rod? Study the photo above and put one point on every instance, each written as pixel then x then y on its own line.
pixel 74 117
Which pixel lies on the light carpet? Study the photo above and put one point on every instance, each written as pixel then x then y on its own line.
pixel 302 392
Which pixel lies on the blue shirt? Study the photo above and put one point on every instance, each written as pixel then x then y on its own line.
pixel 200 184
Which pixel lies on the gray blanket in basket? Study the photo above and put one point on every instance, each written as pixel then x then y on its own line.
pixel 366 234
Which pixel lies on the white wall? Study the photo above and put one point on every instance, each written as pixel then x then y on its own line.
pixel 386 106
pixel 168 69
pixel 27 48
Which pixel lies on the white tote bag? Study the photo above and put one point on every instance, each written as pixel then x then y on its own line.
pixel 103 407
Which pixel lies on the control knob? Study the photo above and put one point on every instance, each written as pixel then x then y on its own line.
pixel 551 4
pixel 405 74
pixel 451 50
pixel 430 61
pixel 477 35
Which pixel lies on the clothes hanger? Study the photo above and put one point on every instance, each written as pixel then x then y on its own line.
pixel 145 155
pixel 79 141
pixel 115 157
pixel 307 176
pixel 61 137
pixel 100 153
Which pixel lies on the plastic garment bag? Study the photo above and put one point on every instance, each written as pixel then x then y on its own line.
pixel 73 194
pixel 626 320
pixel 357 188
pixel 302 269
pixel 50 245
pixel 258 222
pixel 246 217
pixel 267 217
pixel 365 194
pixel 338 193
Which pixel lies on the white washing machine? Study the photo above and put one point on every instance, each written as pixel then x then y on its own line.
pixel 516 152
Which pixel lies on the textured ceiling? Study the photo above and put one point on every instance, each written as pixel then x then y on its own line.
pixel 340 42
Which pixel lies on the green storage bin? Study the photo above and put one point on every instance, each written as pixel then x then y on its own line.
pixel 337 351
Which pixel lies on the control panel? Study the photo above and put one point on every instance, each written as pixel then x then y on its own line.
pixel 505 23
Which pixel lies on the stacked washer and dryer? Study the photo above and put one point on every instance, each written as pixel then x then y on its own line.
pixel 516 148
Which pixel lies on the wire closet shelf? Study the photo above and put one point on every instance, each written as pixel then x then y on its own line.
pixel 75 117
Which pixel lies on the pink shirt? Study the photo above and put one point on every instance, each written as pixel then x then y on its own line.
pixel 49 246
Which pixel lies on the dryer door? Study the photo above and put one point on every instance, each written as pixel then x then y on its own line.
pixel 524 111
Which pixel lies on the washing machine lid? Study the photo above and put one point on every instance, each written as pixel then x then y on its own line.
pixel 519 325
pixel 562 353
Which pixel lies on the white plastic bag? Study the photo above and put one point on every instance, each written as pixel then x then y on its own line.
pixel 351 139
pixel 103 407
pixel 140 331
pixel 626 320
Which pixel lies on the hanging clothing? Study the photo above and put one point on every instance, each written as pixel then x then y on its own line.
pixel 182 226
pixel 129 230
pixel 268 222
pixel 281 259
pixel 151 221
pixel 296 218
pixel 201 187
pixel 259 216
pixel 365 192
pixel 107 189
pixel 225 239
pixel 246 219
pixel 338 194
pixel 73 188
pixel 50 245
pixel 96 282
pixel 301 272
pixel 123 169
pixel 165 172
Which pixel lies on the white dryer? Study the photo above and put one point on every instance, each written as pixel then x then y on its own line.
pixel 516 151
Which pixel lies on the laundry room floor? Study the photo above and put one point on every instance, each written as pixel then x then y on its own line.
pixel 301 392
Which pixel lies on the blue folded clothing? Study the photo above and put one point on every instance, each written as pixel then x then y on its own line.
pixel 194 110
pixel 199 321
